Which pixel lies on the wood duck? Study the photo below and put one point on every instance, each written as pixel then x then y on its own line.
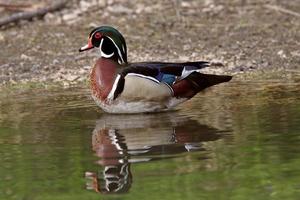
pixel 122 87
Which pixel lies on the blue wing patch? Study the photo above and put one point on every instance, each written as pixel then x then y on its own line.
pixel 166 78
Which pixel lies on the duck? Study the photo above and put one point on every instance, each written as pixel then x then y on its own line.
pixel 119 86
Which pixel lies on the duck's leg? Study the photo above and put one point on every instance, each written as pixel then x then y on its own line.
pixel 197 82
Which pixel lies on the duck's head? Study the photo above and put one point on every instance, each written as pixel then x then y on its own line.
pixel 110 41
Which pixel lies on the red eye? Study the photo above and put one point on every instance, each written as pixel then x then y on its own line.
pixel 98 35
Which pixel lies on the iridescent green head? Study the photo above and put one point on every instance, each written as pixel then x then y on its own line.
pixel 110 41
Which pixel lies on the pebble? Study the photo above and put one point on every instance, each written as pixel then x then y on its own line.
pixel 85 5
pixel 119 9
pixel 139 8
pixel 25 57
pixel 281 54
pixel 295 53
pixel 55 61
pixel 86 67
pixel 2 37
pixel 93 25
pixel 71 16
pixel 184 58
pixel 186 47
pixel 71 77
pixel 53 18
pixel 186 4
pixel 213 9
pixel 101 3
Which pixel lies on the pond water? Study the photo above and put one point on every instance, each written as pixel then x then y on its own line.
pixel 236 141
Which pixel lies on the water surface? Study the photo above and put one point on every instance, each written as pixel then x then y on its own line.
pixel 237 141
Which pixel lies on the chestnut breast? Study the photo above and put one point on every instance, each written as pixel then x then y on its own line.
pixel 102 77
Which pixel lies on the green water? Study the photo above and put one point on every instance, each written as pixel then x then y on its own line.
pixel 237 141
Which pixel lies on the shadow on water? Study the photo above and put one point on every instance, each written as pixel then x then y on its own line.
pixel 122 140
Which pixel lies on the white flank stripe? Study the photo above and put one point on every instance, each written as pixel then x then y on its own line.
pixel 110 96
pixel 143 76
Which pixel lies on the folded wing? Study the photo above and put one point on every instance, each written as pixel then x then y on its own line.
pixel 184 78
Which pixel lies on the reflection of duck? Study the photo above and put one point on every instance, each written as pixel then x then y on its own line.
pixel 116 175
pixel 124 139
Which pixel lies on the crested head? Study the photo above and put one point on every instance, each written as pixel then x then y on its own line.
pixel 110 42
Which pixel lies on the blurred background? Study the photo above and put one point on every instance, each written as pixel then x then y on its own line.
pixel 239 35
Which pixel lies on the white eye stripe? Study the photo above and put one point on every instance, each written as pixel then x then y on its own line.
pixel 93 34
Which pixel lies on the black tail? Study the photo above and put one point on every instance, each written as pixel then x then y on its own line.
pixel 201 81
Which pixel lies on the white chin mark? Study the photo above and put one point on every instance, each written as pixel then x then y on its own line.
pixel 106 55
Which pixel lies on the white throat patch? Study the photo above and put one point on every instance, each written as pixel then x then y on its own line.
pixel 104 54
